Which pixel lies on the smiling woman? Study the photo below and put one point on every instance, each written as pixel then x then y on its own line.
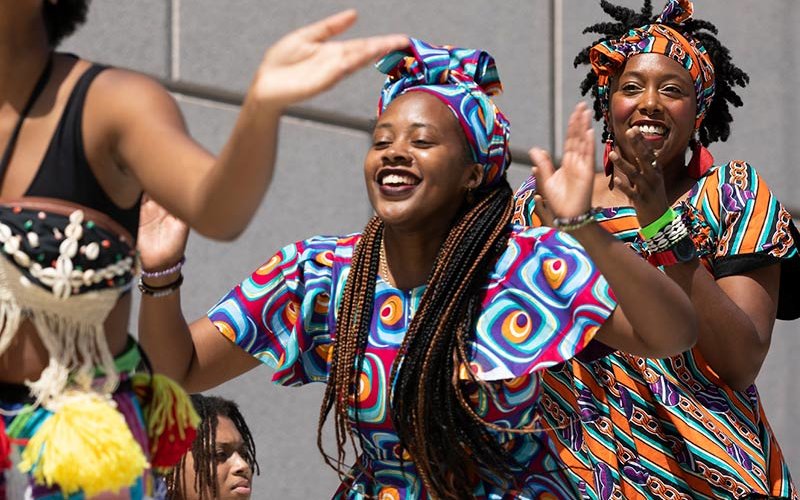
pixel 687 426
pixel 430 328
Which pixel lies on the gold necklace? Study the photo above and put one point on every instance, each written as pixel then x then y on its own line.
pixel 384 265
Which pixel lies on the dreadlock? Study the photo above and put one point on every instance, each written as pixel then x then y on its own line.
pixel 209 408
pixel 445 438
pixel 716 125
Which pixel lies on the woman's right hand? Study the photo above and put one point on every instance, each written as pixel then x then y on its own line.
pixel 306 62
pixel 162 237
pixel 567 191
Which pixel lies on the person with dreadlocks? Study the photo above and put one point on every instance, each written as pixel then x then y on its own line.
pixel 79 144
pixel 222 459
pixel 689 426
pixel 431 326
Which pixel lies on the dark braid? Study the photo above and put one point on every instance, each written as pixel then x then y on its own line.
pixel 448 442
pixel 209 408
pixel 716 125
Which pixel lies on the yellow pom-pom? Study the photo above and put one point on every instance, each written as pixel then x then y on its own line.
pixel 85 445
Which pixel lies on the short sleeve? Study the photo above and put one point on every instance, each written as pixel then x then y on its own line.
pixel 754 230
pixel 280 314
pixel 544 302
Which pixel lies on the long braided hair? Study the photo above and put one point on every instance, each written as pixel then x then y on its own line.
pixel 716 125
pixel 209 408
pixel 446 440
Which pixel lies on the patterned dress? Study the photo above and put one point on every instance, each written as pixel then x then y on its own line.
pixel 543 302
pixel 629 427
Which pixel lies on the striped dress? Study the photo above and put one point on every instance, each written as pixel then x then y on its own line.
pixel 628 427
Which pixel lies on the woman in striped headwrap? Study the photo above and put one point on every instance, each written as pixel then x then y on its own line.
pixel 431 327
pixel 690 426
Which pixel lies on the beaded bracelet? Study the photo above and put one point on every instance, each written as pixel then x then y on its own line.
pixel 668 236
pixel 164 272
pixel 576 222
pixel 160 291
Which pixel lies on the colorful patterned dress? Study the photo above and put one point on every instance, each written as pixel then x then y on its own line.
pixel 543 302
pixel 629 427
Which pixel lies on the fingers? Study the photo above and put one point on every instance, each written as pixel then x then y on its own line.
pixel 359 52
pixel 328 27
pixel 645 154
pixel 542 211
pixel 542 166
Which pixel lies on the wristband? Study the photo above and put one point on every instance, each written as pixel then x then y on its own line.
pixel 164 272
pixel 160 291
pixel 657 225
pixel 572 223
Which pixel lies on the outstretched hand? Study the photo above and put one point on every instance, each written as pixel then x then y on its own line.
pixel 162 237
pixel 567 191
pixel 306 62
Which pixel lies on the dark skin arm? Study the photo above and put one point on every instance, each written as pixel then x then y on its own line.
pixel 657 323
pixel 736 313
pixel 143 135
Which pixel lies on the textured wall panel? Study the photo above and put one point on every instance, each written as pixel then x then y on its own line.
pixel 221 45
pixel 127 34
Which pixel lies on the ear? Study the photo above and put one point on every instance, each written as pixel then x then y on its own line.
pixel 475 176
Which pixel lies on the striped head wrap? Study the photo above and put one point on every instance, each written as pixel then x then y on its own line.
pixel 463 79
pixel 608 57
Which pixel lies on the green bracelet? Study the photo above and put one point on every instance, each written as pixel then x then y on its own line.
pixel 657 225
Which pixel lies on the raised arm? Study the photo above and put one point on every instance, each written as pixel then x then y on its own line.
pixel 736 313
pixel 195 355
pixel 655 317
pixel 146 136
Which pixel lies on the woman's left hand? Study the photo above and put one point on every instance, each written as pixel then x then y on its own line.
pixel 568 190
pixel 642 180
pixel 162 237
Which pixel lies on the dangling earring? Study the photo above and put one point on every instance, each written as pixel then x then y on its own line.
pixel 701 160
pixel 608 165
pixel 470 196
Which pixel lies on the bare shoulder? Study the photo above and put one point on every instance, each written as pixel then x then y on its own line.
pixel 123 96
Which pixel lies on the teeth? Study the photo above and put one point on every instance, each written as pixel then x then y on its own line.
pixel 652 130
pixel 398 179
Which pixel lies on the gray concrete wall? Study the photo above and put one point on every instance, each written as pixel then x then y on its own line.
pixel 206 50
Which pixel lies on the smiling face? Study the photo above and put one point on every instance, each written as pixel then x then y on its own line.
pixel 234 474
pixel 419 169
pixel 656 94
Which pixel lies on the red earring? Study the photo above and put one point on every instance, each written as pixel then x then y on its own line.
pixel 701 160
pixel 608 165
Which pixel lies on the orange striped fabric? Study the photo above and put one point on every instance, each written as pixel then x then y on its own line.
pixel 627 427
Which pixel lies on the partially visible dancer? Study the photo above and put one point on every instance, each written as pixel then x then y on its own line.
pixel 690 426
pixel 222 459
pixel 431 327
pixel 80 143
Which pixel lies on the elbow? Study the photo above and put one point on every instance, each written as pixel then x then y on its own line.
pixel 221 231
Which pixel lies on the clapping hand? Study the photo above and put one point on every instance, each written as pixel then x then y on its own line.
pixel 162 237
pixel 567 191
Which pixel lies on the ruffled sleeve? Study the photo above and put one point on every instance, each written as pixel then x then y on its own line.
pixel 753 230
pixel 545 301
pixel 280 314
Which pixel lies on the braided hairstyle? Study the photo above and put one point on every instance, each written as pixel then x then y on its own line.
pixel 443 436
pixel 209 408
pixel 716 125
pixel 62 18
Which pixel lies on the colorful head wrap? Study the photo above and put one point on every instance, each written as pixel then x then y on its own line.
pixel 463 79
pixel 609 56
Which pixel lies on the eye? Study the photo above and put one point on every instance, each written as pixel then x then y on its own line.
pixel 381 143
pixel 422 143
pixel 673 89
pixel 630 87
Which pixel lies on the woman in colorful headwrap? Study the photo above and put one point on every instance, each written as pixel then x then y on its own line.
pixel 80 143
pixel 431 326
pixel 690 426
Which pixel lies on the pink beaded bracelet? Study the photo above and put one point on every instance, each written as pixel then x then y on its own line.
pixel 158 274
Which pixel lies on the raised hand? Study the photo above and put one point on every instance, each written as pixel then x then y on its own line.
pixel 305 62
pixel 567 192
pixel 642 180
pixel 162 237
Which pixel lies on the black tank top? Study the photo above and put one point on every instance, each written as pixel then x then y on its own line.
pixel 65 172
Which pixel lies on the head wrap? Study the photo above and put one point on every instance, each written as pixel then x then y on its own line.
pixel 608 57
pixel 463 79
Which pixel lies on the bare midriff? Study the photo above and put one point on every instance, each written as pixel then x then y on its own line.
pixel 27 356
